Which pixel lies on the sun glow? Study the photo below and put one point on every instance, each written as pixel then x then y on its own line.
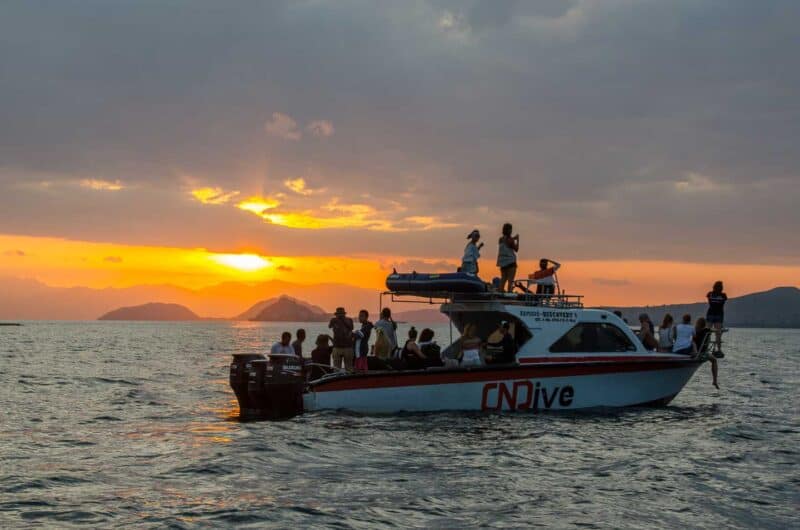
pixel 242 262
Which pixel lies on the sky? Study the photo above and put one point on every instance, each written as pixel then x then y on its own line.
pixel 649 146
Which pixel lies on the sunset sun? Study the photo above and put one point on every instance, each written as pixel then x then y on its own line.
pixel 242 262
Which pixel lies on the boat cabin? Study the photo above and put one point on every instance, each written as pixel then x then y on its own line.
pixel 544 326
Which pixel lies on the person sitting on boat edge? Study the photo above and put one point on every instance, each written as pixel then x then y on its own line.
pixel 411 354
pixel 646 334
pixel 342 327
pixel 389 329
pixel 715 315
pixel 472 252
pixel 701 333
pixel 505 350
pixel 508 246
pixel 362 341
pixel 545 277
pixel 429 348
pixel 297 344
pixel 684 337
pixel 666 333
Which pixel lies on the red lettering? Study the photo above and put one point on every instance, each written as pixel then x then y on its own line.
pixel 485 397
pixel 509 395
pixel 526 404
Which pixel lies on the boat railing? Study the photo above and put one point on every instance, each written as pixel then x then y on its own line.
pixel 556 300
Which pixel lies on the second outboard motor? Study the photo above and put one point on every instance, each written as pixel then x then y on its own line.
pixel 239 375
pixel 273 394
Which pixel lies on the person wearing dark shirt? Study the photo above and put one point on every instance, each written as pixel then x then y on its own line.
pixel 505 350
pixel 647 332
pixel 297 345
pixel 429 348
pixel 362 340
pixel 342 327
pixel 715 315
pixel 321 355
pixel 411 354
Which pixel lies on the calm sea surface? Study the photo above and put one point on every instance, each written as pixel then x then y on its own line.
pixel 115 423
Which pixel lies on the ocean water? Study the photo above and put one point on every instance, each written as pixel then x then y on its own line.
pixel 113 423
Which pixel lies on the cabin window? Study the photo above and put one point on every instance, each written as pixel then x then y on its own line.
pixel 591 337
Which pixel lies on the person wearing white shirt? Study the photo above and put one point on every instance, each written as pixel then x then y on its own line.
pixel 283 347
pixel 472 252
pixel 684 337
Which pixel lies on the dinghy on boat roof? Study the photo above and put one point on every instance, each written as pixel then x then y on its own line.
pixel 568 358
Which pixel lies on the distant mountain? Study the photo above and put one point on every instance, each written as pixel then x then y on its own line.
pixel 258 307
pixel 776 308
pixel 28 299
pixel 286 309
pixel 151 311
pixel 413 316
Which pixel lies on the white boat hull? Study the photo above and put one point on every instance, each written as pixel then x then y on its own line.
pixel 524 388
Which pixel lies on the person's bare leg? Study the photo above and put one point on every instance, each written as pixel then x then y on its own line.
pixel 714 372
pixel 718 335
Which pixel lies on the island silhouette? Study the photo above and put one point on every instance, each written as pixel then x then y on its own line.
pixel 778 307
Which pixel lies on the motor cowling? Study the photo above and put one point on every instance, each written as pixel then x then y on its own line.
pixel 272 393
pixel 239 376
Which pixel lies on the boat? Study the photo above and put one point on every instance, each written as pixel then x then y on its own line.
pixel 415 283
pixel 568 358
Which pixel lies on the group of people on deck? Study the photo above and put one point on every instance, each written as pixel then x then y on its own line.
pixel 685 338
pixel 507 248
pixel 349 348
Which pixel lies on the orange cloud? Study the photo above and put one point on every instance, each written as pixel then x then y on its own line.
pixel 258 205
pixel 300 187
pixel 213 195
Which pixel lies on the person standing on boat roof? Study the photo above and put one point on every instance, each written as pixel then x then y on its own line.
pixel 508 246
pixel 472 252
pixel 389 329
pixel 342 327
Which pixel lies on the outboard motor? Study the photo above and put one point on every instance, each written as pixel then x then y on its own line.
pixel 272 393
pixel 240 372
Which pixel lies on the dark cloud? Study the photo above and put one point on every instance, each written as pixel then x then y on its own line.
pixel 14 253
pixel 113 259
pixel 601 128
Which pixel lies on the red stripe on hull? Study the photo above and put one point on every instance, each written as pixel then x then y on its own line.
pixel 616 359
pixel 389 379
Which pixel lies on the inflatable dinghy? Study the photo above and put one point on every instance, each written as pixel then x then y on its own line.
pixel 449 282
